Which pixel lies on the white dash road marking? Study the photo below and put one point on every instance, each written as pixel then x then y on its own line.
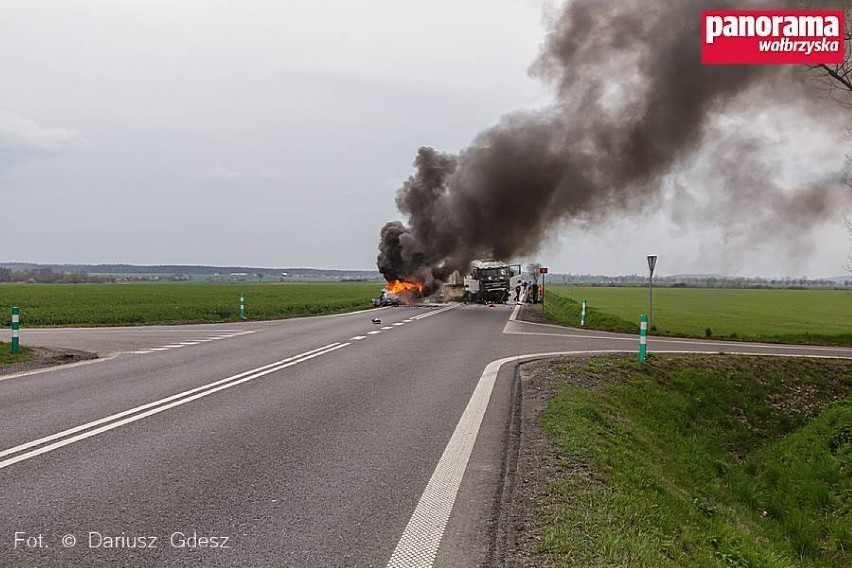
pixel 387 327
pixel 159 348
pixel 358 338
pixel 373 332
pixel 407 321
pixel 175 346
pixel 156 407
pixel 189 343
pixel 398 324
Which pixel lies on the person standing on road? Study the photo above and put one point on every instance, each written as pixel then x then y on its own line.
pixel 517 293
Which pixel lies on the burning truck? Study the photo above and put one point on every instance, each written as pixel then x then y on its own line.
pixel 488 281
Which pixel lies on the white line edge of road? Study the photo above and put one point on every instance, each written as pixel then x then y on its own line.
pixel 656 339
pixel 421 539
pixel 56 367
pixel 132 415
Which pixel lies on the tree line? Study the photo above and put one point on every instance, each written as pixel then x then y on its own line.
pixel 49 276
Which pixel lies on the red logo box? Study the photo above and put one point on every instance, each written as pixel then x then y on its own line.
pixel 772 36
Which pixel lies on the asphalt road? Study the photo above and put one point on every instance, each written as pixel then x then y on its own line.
pixel 327 441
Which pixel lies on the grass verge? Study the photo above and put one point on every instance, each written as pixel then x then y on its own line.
pixel 700 461
pixel 6 357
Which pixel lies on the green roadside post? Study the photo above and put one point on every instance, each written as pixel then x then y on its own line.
pixel 16 326
pixel 643 339
pixel 583 314
pixel 242 307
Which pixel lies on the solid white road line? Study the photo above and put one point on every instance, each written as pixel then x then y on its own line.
pixel 657 340
pixel 429 314
pixel 149 405
pixel 114 421
pixel 515 311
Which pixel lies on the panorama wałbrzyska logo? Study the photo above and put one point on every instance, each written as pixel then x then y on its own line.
pixel 772 36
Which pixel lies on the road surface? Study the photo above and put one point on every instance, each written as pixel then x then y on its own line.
pixel 327 441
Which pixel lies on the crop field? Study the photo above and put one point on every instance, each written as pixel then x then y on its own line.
pixel 145 304
pixel 790 316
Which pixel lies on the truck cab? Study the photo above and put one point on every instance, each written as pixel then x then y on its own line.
pixel 491 281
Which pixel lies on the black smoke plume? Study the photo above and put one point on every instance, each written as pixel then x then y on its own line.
pixel 634 104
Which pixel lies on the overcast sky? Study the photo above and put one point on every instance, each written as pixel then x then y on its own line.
pixel 275 133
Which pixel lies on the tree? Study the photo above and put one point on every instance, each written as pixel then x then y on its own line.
pixel 849 230
pixel 532 268
pixel 836 78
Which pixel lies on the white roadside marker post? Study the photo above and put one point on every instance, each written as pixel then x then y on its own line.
pixel 583 314
pixel 16 326
pixel 643 339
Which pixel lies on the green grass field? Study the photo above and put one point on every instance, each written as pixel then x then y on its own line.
pixel 789 316
pixel 700 461
pixel 146 304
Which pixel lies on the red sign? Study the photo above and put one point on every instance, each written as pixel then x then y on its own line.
pixel 542 270
pixel 772 36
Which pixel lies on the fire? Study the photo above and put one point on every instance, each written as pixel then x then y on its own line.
pixel 404 287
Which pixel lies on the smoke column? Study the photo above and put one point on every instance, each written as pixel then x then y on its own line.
pixel 633 105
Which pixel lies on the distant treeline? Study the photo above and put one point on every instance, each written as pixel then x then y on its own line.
pixel 699 281
pixel 49 276
pixel 125 269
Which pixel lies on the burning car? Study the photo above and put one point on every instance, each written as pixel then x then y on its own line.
pixel 396 292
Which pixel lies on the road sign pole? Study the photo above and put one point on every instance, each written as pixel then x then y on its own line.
pixel 542 270
pixel 643 339
pixel 583 314
pixel 652 262
pixel 242 307
pixel 16 326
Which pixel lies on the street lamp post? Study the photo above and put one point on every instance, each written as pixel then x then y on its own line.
pixel 652 262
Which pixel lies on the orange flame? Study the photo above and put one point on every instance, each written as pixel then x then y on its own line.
pixel 404 287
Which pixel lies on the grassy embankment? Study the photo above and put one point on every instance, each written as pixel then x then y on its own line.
pixel 821 317
pixel 146 304
pixel 700 461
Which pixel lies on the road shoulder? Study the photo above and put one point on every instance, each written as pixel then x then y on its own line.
pixel 45 357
